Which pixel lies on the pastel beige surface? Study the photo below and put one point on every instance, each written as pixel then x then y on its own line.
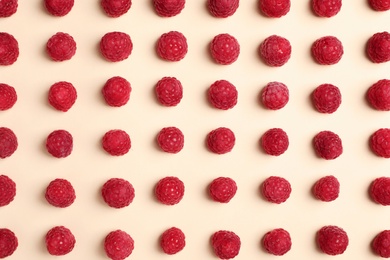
pixel 248 214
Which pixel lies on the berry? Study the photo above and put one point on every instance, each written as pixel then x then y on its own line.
pixel 277 241
pixel 221 140
pixel 168 8
pixel 60 193
pixel 172 241
pixel 378 47
pixel 327 50
pixel 226 244
pixel 8 142
pixel 169 190
pixel 170 139
pixel 378 95
pixel 169 91
pixel 274 141
pixel 59 7
pixel 8 242
pixel 326 98
pixel 274 8
pixel 327 188
pixel 116 91
pixel 116 46
pixel 276 189
pixel 332 240
pixel 326 8
pixel 59 143
pixel 222 95
pixel 8 97
pixel 380 191
pixel 115 8
pixel 379 5
pixel 61 46
pixel 222 189
pixel 328 145
pixel 380 142
pixel 381 245
pixel 7 191
pixel 275 95
pixel 275 51
pixel 224 49
pixel 116 142
pixel 172 46
pixel 62 95
pixel 118 245
pixel 222 8
pixel 8 8
pixel 118 193
pixel 60 241
pixel 9 49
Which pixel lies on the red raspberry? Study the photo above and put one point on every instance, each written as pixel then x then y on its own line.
pixel 60 241
pixel 61 46
pixel 224 49
pixel 222 8
pixel 59 7
pixel 378 47
pixel 275 95
pixel 170 139
pixel 62 95
pixel 9 49
pixel 379 5
pixel 381 245
pixel 60 193
pixel 7 191
pixel 116 46
pixel 326 8
pixel 274 141
pixel 116 92
pixel 226 244
pixel 276 189
pixel 8 97
pixel 8 142
pixel 115 8
pixel 118 193
pixel 222 189
pixel 221 140
pixel 380 191
pixel 332 240
pixel 378 95
pixel 326 98
pixel 8 242
pixel 169 91
pixel 327 188
pixel 274 8
pixel 169 190
pixel 380 142
pixel 327 50
pixel 116 142
pixel 168 8
pixel 172 241
pixel 59 143
pixel 222 94
pixel 275 51
pixel 277 241
pixel 118 245
pixel 8 8
pixel 172 46
pixel 328 145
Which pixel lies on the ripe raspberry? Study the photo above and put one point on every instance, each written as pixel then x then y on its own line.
pixel 8 97
pixel 62 95
pixel 380 142
pixel 274 141
pixel 168 8
pixel 222 95
pixel 59 7
pixel 116 46
pixel 222 8
pixel 327 188
pixel 328 145
pixel 7 191
pixel 222 189
pixel 224 49
pixel 172 46
pixel 8 142
pixel 8 8
pixel 61 46
pixel 118 193
pixel 380 191
pixel 276 189
pixel 115 8
pixel 8 242
pixel 60 193
pixel 59 143
pixel 378 47
pixel 379 5
pixel 226 244
pixel 327 50
pixel 326 8
pixel 378 95
pixel 332 240
pixel 381 245
pixel 118 245
pixel 170 140
pixel 275 51
pixel 172 241
pixel 116 142
pixel 277 241
pixel 116 92
pixel 274 8
pixel 169 190
pixel 60 241
pixel 275 95
pixel 221 140
pixel 169 91
pixel 326 98
pixel 9 49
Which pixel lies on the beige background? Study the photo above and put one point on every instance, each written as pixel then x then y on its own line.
pixel 32 119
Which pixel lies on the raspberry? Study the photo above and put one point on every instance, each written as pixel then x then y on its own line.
pixel 60 241
pixel 327 188
pixel 62 95
pixel 381 245
pixel 61 46
pixel 378 95
pixel 332 240
pixel 172 241
pixel 277 241
pixel 168 8
pixel 8 8
pixel 222 189
pixel 118 245
pixel 116 92
pixel 60 193
pixel 226 244
pixel 8 142
pixel 116 142
pixel 59 7
pixel 379 5
pixel 274 8
pixel 380 142
pixel 326 8
pixel 169 190
pixel 274 141
pixel 59 143
pixel 221 140
pixel 7 190
pixel 118 193
pixel 380 191
pixel 222 8
pixel 170 139
pixel 8 97
pixel 326 98
pixel 169 91
pixel 378 47
pixel 222 95
pixel 224 49
pixel 327 50
pixel 172 46
pixel 276 189
pixel 9 49
pixel 116 46
pixel 275 95
pixel 275 51
pixel 328 145
pixel 115 8
pixel 8 242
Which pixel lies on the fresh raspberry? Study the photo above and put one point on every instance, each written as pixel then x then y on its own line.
pixel 378 95
pixel 275 51
pixel 274 141
pixel 380 142
pixel 9 49
pixel 221 140
pixel 169 91
pixel 274 8
pixel 326 8
pixel 172 46
pixel 172 241
pixel 277 241
pixel 332 240
pixel 116 142
pixel 8 242
pixel 170 139
pixel 326 98
pixel 224 49
pixel 60 193
pixel 62 95
pixel 327 188
pixel 8 8
pixel 226 244
pixel 8 142
pixel 222 189
pixel 60 241
pixel 116 91
pixel 222 95
pixel 116 46
pixel 118 245
pixel 328 145
pixel 381 245
pixel 61 46
pixel 222 8
pixel 378 47
pixel 7 190
pixel 118 193
pixel 276 189
pixel 115 8
pixel 8 97
pixel 327 50
pixel 59 143
pixel 380 191
pixel 379 5
pixel 275 95
pixel 59 7
pixel 168 8
pixel 169 190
